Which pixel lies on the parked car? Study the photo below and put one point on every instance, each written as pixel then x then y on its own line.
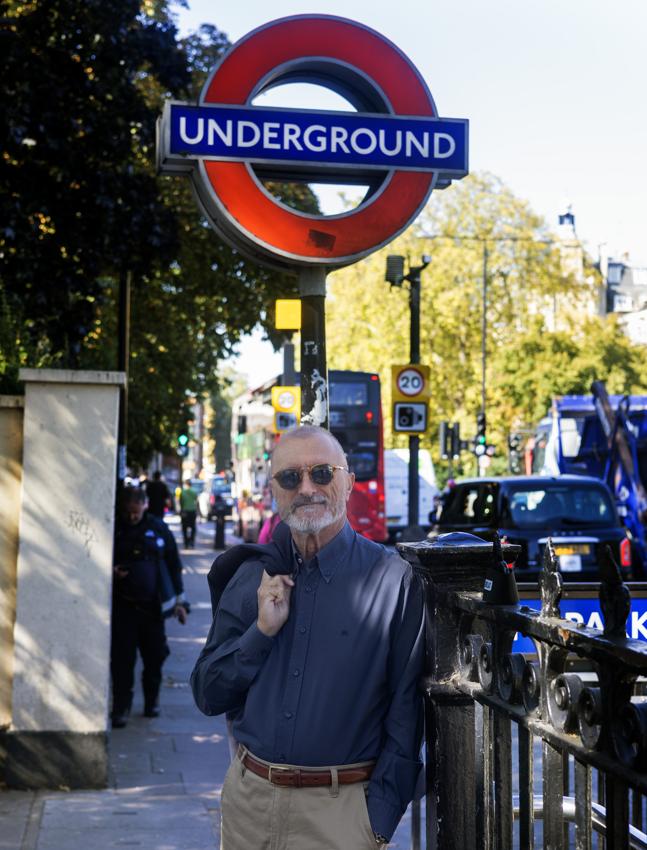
pixel 576 511
pixel 219 496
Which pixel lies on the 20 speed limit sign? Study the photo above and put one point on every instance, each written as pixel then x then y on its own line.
pixel 410 383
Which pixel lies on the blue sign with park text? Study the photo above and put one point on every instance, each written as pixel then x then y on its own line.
pixel 587 613
pixel 304 137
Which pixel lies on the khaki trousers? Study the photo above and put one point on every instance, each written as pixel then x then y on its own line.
pixel 257 815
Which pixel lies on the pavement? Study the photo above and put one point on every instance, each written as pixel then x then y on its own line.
pixel 166 772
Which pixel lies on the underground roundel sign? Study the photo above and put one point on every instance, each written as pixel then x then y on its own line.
pixel 395 142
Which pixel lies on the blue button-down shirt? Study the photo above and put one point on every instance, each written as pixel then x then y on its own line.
pixel 339 683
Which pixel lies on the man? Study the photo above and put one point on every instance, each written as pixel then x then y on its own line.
pixel 147 588
pixel 159 495
pixel 188 513
pixel 316 651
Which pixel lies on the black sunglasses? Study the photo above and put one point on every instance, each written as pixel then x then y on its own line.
pixel 320 473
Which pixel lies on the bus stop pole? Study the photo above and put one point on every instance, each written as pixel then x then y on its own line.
pixel 314 373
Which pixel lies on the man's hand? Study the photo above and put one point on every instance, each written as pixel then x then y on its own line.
pixel 273 603
pixel 180 612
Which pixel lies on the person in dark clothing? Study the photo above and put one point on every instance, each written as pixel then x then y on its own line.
pixel 159 495
pixel 315 654
pixel 147 589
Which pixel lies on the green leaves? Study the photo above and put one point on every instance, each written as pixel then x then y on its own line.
pixel 542 335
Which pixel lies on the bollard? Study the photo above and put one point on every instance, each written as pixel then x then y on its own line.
pixel 219 540
pixel 221 513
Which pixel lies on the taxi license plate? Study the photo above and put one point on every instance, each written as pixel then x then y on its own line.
pixel 570 563
pixel 572 549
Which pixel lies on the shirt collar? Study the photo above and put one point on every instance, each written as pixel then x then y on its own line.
pixel 335 552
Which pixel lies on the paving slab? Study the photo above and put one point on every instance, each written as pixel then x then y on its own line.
pixel 15 808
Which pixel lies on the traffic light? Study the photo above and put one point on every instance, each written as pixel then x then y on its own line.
pixel 450 440
pixel 444 435
pixel 456 440
pixel 182 444
pixel 480 441
pixel 515 447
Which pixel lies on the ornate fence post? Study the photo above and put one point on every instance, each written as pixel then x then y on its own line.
pixel 454 802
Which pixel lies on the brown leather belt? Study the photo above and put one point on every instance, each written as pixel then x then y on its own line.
pixel 305 777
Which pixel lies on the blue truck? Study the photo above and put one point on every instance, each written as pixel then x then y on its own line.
pixel 604 436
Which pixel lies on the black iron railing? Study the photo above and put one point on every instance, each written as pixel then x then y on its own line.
pixel 525 750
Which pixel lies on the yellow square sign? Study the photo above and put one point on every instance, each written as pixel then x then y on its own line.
pixel 286 399
pixel 410 383
pixel 288 314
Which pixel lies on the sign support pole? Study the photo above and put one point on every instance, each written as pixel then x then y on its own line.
pixel 314 374
pixel 414 439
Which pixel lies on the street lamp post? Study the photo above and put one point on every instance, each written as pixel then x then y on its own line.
pixel 484 240
pixel 395 276
pixel 481 463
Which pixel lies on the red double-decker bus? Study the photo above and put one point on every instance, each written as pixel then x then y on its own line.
pixel 355 420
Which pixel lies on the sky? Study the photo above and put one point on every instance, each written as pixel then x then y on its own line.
pixel 554 91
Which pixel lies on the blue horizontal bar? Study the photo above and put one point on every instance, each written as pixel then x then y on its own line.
pixel 587 612
pixel 300 137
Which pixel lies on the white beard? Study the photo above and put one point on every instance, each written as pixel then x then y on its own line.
pixel 314 524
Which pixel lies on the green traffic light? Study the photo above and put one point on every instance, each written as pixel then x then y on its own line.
pixel 183 439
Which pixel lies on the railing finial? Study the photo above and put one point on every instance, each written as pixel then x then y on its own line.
pixel 550 582
pixel 615 599
pixel 500 587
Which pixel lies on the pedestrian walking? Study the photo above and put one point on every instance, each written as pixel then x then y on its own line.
pixel 147 588
pixel 159 495
pixel 315 653
pixel 188 513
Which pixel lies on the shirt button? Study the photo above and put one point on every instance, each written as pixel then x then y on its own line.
pixel 299 561
pixel 295 672
pixel 302 630
pixel 308 588
pixel 288 714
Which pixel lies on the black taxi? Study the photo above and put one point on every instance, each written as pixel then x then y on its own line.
pixel 577 512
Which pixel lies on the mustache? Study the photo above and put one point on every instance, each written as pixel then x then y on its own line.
pixel 300 501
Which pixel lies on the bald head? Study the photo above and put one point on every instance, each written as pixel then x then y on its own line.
pixel 289 440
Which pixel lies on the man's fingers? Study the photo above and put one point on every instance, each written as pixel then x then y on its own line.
pixel 275 589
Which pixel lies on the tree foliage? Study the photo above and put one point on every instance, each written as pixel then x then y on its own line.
pixel 82 207
pixel 540 338
pixel 79 198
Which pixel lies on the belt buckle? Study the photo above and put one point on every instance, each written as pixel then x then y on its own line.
pixel 285 770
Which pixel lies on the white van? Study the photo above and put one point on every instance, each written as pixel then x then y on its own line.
pixel 396 489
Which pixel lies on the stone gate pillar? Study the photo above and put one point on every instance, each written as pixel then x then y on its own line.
pixel 59 718
pixel 11 416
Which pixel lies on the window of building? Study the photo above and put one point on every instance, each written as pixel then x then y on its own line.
pixel 639 277
pixel 622 303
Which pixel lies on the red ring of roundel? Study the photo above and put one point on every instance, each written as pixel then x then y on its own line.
pixel 263 223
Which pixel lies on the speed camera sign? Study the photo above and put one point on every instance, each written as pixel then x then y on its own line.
pixel 410 383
